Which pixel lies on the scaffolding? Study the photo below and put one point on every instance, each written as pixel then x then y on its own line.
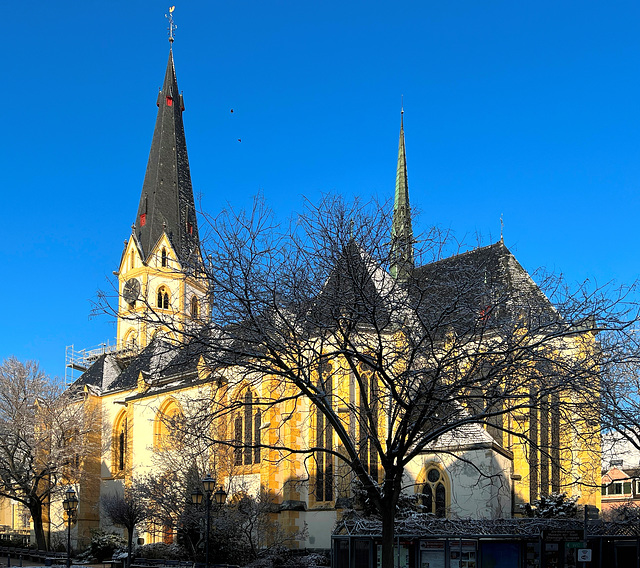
pixel 77 361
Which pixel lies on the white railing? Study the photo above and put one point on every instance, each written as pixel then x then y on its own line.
pixel 77 361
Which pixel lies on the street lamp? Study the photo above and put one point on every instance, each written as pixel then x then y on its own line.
pixel 220 497
pixel 70 505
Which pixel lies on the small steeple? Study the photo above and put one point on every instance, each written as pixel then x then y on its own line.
pixel 166 202
pixel 401 230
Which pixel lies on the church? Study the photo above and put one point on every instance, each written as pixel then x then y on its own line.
pixel 480 469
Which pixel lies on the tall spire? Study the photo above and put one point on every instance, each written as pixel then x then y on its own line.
pixel 401 230
pixel 166 202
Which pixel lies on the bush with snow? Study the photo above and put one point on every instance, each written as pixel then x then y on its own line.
pixel 554 506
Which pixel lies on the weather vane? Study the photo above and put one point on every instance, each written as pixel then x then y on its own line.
pixel 172 27
pixel 501 228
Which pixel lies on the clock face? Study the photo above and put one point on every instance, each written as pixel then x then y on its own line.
pixel 131 290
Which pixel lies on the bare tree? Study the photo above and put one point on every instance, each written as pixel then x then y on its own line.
pixel 620 405
pixel 253 521
pixel 167 498
pixel 307 320
pixel 45 437
pixel 181 459
pixel 126 510
pixel 244 527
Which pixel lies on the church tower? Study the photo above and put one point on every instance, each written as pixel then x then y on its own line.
pixel 161 285
pixel 401 230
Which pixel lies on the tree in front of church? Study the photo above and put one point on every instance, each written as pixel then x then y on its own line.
pixel 44 439
pixel 330 331
pixel 126 510
pixel 242 528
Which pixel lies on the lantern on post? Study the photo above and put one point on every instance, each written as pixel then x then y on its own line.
pixel 70 505
pixel 220 496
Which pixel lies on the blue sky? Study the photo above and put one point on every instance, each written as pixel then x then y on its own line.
pixel 526 110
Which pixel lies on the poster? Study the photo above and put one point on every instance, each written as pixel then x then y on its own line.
pixel 432 554
pixel 400 556
pixel 463 554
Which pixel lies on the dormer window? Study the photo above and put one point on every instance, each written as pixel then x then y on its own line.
pixel 163 298
pixel 164 257
pixel 169 101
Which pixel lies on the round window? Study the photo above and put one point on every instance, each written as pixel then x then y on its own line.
pixel 433 475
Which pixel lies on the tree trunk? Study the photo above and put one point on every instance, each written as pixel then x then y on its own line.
pixel 391 489
pixel 388 530
pixel 129 546
pixel 35 508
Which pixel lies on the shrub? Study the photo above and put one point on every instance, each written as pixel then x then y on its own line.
pixel 104 544
pixel 15 541
pixel 161 550
pixel 554 506
pixel 309 560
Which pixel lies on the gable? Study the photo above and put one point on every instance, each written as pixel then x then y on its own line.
pixel 131 256
pixel 163 255
pixel 614 474
pixel 356 289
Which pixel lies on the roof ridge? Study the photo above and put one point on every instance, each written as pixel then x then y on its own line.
pixel 475 250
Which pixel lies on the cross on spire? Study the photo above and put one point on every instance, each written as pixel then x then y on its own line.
pixel 172 27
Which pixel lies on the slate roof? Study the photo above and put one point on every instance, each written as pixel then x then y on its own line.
pixel 157 362
pixel 463 435
pixel 93 375
pixel 101 374
pixel 356 289
pixel 185 360
pixel 166 202
pixel 483 287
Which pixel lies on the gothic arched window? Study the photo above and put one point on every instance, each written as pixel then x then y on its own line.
pixel 368 419
pixel 435 493
pixel 324 479
pixel 194 307
pixel 164 257
pixel 246 425
pixel 120 443
pixel 130 339
pixel 168 425
pixel 163 298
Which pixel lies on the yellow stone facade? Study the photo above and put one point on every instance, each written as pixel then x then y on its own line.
pixel 169 301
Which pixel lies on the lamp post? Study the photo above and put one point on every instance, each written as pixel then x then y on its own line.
pixel 70 505
pixel 220 497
